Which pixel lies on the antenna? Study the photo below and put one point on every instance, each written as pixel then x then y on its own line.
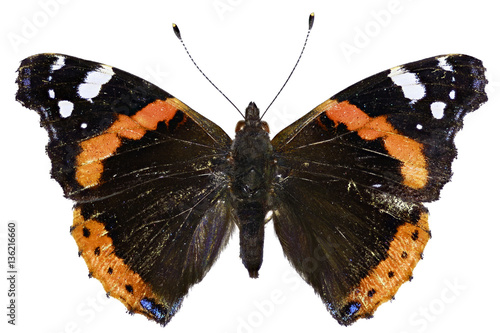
pixel 311 22
pixel 178 34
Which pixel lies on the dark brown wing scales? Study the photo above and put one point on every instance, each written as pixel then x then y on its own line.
pixel 148 176
pixel 353 173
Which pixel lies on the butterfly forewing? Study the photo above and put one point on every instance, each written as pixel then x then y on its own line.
pixel 147 174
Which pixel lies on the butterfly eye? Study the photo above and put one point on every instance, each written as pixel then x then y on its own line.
pixel 240 125
pixel 265 126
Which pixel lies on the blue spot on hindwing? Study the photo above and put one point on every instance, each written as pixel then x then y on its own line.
pixel 353 308
pixel 158 311
pixel 345 315
pixel 161 313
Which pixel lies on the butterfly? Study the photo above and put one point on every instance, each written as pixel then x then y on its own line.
pixel 158 188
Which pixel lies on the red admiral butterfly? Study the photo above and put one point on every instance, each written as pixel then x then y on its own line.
pixel 158 188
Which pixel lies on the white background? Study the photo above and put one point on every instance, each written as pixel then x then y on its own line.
pixel 248 48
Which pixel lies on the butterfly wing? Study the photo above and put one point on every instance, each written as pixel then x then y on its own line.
pixel 353 174
pixel 146 172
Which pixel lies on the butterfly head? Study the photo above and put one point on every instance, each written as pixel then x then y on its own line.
pixel 252 119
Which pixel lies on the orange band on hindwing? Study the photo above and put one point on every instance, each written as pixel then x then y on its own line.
pixel 384 280
pixel 96 248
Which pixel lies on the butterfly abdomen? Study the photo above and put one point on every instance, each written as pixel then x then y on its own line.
pixel 252 172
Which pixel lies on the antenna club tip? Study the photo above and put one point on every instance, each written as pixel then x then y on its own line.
pixel 177 32
pixel 311 20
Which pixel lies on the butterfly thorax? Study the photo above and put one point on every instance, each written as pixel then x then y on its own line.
pixel 252 172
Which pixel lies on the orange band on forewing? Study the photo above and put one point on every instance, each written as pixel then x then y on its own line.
pixel 375 128
pixel 94 150
pixel 398 146
pixel 126 127
pixel 383 281
pixel 89 174
pixel 88 163
pixel 348 114
pixel 97 148
pixel 96 247
pixel 153 113
pixel 414 169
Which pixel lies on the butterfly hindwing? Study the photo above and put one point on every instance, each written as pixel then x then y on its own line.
pixel 353 173
pixel 146 172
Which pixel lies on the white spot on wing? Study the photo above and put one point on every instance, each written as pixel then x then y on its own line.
pixel 65 108
pixel 437 109
pixel 409 83
pixel 94 81
pixel 52 94
pixel 419 126
pixel 83 125
pixel 452 94
pixel 58 64
pixel 444 64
